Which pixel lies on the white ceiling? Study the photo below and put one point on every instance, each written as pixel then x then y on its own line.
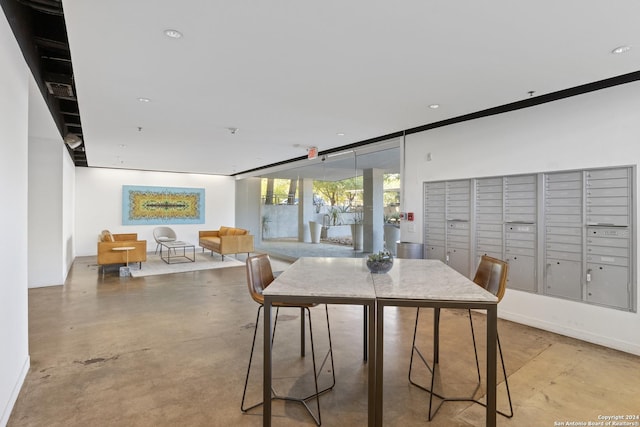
pixel 290 74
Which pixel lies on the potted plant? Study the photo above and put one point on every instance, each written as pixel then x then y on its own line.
pixel 315 230
pixel 318 203
pixel 357 229
pixel 334 214
pixel 265 225
pixel 380 262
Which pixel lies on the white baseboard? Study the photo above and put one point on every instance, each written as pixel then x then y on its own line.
pixel 580 334
pixel 6 413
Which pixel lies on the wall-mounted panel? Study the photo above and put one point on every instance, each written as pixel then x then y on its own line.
pixel 458 244
pixel 563 213
pixel 520 202
pixel 520 216
pixel 489 218
pixel 608 266
pixel 520 253
pixel 435 226
pixel 608 194
pixel 446 223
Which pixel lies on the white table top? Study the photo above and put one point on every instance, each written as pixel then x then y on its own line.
pixel 418 279
pixel 176 244
pixel 427 279
pixel 325 277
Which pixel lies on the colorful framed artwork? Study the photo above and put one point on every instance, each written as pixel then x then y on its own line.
pixel 142 205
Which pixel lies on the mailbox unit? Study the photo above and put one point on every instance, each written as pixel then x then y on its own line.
pixel 609 246
pixel 458 242
pixel 564 234
pixel 520 208
pixel 489 219
pixel 435 224
pixel 447 227
pixel 564 230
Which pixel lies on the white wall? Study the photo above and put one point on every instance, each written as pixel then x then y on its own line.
pixel 592 130
pixel 45 212
pixel 68 211
pixel 14 87
pixel 51 172
pixel 99 204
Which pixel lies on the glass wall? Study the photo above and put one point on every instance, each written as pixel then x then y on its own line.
pixel 345 204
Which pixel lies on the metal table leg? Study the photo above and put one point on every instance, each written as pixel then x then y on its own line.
pixel 492 331
pixel 266 380
pixel 365 332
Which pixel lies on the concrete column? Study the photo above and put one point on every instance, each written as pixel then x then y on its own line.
pixel 373 191
pixel 249 206
pixel 305 209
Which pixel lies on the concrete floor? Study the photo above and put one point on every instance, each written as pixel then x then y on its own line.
pixel 172 350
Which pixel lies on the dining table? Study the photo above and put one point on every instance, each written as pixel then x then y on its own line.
pixel 431 283
pixel 410 282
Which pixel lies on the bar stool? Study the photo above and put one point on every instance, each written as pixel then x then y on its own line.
pixel 259 276
pixel 492 276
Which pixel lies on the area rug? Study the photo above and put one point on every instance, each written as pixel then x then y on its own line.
pixel 204 261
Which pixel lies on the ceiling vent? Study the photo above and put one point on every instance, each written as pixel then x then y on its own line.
pixel 72 140
pixel 39 28
pixel 60 90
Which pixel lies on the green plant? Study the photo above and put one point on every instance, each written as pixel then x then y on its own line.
pixel 380 256
pixel 393 218
pixel 334 213
pixel 265 224
pixel 380 262
pixel 358 217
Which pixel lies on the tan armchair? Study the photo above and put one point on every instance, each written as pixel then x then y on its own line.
pixel 108 241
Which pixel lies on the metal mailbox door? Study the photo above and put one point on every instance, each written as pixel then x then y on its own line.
pixel 608 285
pixel 522 272
pixel 564 278
pixel 458 259
pixel 435 252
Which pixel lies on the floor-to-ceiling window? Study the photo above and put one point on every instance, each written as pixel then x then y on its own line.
pixel 345 203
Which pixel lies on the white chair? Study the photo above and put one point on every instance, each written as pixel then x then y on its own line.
pixel 162 235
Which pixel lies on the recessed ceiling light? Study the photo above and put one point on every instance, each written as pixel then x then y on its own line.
pixel 434 106
pixel 174 34
pixel 144 100
pixel 340 134
pixel 621 49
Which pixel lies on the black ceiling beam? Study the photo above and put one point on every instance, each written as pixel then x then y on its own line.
pixel 52 7
pixel 518 105
pixel 533 101
pixel 21 19
pixel 39 28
